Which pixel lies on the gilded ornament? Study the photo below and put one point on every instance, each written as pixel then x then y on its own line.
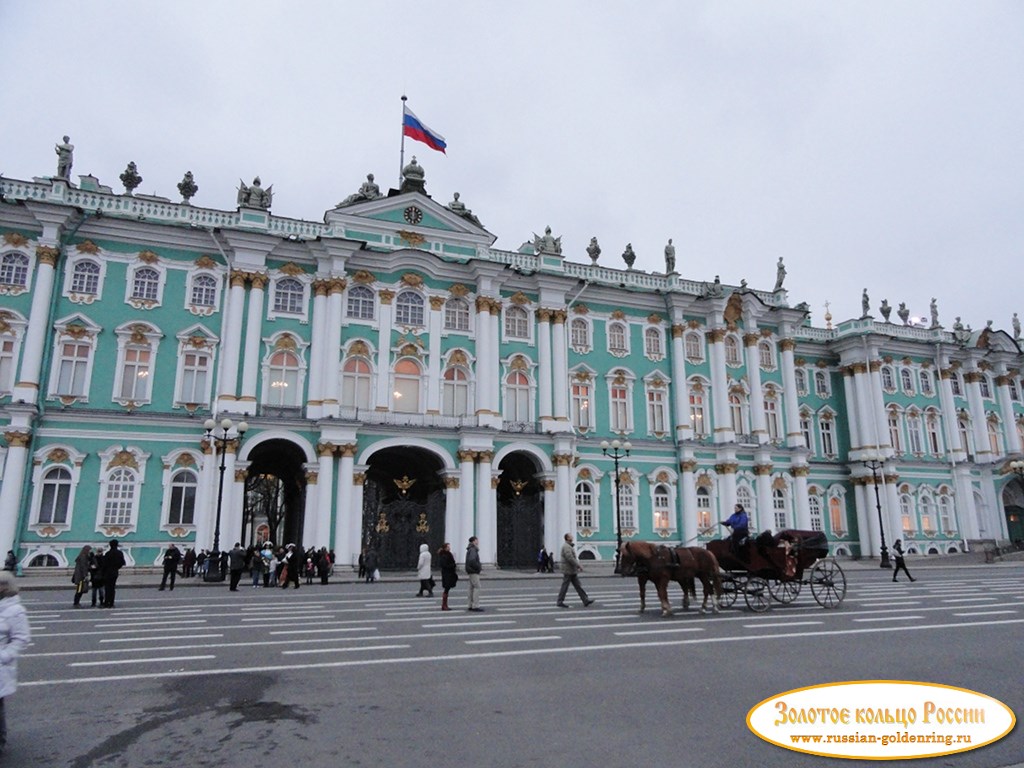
pixel 458 290
pixel 87 246
pixel 15 239
pixel 148 257
pixel 412 279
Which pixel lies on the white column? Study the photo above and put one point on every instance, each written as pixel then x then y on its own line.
pixel 206 497
pixel 13 488
pixel 764 518
pixel 560 366
pixel 485 367
pixel 321 535
pixel 878 405
pixel 253 334
pixel 862 390
pixel 311 529
pixel 383 398
pixel 801 506
pixel 331 352
pixel 891 511
pixel 564 492
pixel 348 510
pixel 957 451
pixel 976 407
pixel 688 497
pixel 681 396
pixel 434 385
pixel 486 525
pixel 315 390
pixel 852 410
pixel 758 424
pixel 794 437
pixel 721 423
pixel 27 386
pixel 544 364
pixel 452 507
pixel 494 381
pixel 866 529
pixel 1010 437
pixel 726 488
pixel 467 502
pixel 551 529
pixel 231 506
pixel 231 343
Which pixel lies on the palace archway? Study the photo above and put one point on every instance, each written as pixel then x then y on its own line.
pixel 520 512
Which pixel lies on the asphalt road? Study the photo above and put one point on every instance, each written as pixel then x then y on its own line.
pixel 369 675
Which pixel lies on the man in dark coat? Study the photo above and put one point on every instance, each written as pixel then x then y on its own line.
pixel 113 562
pixel 236 564
pixel 171 560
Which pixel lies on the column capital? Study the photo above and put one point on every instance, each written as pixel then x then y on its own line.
pixel 543 315
pixel 348 450
pixel 437 303
pixel 787 345
pixel 751 339
pixel 259 280
pixel 17 438
pixel 562 459
pixel 689 465
pixel 47 255
pixel 465 456
pixel 558 316
pixel 385 296
pixel 717 335
pixel 324 449
pixel 800 471
pixel 763 469
pixel 727 468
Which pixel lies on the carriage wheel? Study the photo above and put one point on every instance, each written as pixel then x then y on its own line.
pixel 828 583
pixel 757 594
pixel 730 588
pixel 785 591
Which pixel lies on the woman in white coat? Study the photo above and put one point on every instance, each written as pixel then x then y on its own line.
pixel 14 636
pixel 423 572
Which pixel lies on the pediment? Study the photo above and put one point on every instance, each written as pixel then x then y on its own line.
pixel 402 220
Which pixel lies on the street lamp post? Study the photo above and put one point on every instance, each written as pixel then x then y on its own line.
pixel 875 462
pixel 220 443
pixel 617 452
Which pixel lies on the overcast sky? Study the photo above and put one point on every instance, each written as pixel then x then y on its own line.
pixel 874 145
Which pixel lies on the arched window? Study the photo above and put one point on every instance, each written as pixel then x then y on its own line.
pixel 456 315
pixel 56 493
pixel 907 513
pixel 703 509
pixel 837 515
pixel 204 291
pixel 517 397
pixel 800 380
pixel 888 382
pixel 355 383
pixel 146 284
pixel 995 435
pixel 288 296
pixel 120 497
pixel 821 384
pixel 517 323
pixel 814 509
pixel 617 343
pixel 732 351
pixel 914 433
pixel 963 424
pixel 283 379
pixel 409 308
pixel 738 413
pixel 662 510
pixel 406 395
pixel 933 426
pixel 14 270
pixel 694 345
pixel 360 303
pixel 771 414
pixel 806 419
pixel 766 355
pixel 928 514
pixel 907 380
pixel 895 430
pixel 747 499
pixel 584 506
pixel 455 392
pixel 580 334
pixel 946 513
pixel 925 380
pixel 954 384
pixel 698 414
pixel 652 343
pixel 779 510
pixel 85 278
pixel 183 498
pixel 986 386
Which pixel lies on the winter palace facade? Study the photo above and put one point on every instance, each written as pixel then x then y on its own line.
pixel 402 381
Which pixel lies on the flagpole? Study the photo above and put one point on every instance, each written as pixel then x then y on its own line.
pixel 401 155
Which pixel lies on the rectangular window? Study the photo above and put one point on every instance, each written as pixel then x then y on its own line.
pixel 828 445
pixel 581 406
pixel 656 411
pixel 661 509
pixel 195 368
pixel 619 409
pixel 6 365
pixel 72 368
pixel 584 506
pixel 627 506
pixel 135 374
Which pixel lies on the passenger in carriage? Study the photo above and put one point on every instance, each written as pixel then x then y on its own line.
pixel 739 523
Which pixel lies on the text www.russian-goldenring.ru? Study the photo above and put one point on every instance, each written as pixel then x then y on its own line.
pixel 885 740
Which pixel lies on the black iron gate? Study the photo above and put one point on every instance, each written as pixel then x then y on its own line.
pixel 396 527
pixel 520 529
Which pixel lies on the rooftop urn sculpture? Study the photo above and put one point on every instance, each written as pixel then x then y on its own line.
pixel 130 178
pixel 593 250
pixel 188 188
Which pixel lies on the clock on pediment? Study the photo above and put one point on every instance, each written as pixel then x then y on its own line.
pixel 413 215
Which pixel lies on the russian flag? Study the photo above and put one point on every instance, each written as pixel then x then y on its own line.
pixel 414 128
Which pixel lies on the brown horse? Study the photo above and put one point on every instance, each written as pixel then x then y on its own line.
pixel 660 564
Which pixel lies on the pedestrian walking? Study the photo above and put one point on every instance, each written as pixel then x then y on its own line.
pixel 14 637
pixel 449 573
pixel 236 564
pixel 473 569
pixel 901 564
pixel 80 578
pixel 570 574
pixel 113 562
pixel 172 558
pixel 292 566
pixel 423 572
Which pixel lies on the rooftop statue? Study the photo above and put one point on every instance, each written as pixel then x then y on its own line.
pixel 457 207
pixel 1016 326
pixel 65 157
pixel 593 250
pixel 628 256
pixel 368 190
pixel 885 309
pixel 547 243
pixel 187 187
pixel 780 274
pixel 934 308
pixel 670 258
pixel 865 304
pixel 255 196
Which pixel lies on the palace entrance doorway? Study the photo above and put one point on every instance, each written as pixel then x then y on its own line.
pixel 520 512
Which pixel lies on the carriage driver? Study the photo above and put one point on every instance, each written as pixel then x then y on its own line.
pixel 740 525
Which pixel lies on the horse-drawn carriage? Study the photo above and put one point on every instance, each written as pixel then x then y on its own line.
pixel 773 567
